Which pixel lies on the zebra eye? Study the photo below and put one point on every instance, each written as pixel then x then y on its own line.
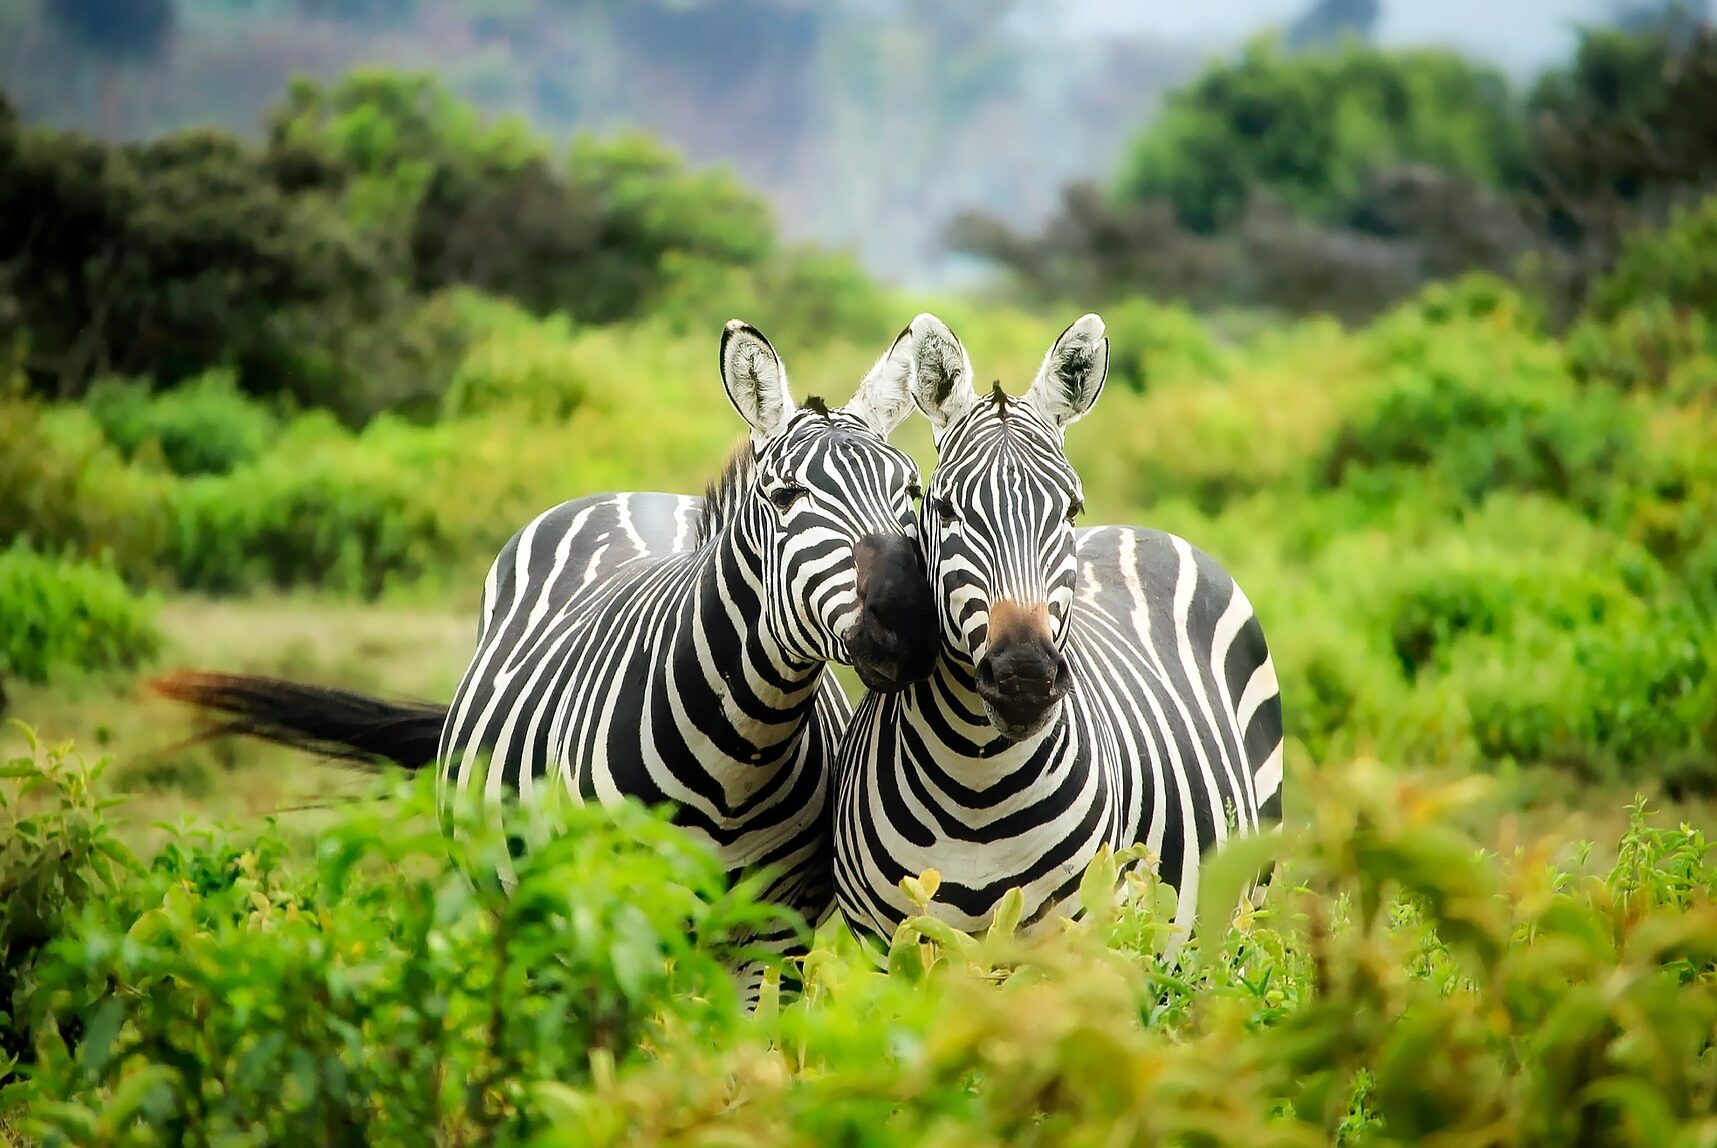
pixel 1076 509
pixel 784 497
pixel 944 509
pixel 914 491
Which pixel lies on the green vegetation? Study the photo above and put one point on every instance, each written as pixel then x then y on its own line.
pixel 1470 546
pixel 272 407
pixel 352 987
pixel 1342 181
pixel 58 616
pixel 1312 130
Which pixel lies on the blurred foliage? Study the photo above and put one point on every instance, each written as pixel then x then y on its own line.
pixel 1344 179
pixel 1311 128
pixel 58 616
pixel 1401 985
pixel 205 426
pixel 116 29
pixel 1473 541
pixel 311 268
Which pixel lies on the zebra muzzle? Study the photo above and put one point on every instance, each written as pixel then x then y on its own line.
pixel 894 642
pixel 1023 675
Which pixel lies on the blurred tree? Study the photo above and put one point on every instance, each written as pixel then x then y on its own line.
pixel 1310 128
pixel 1621 137
pixel 363 12
pixel 514 230
pixel 1096 248
pixel 1334 181
pixel 1327 21
pixel 653 212
pixel 1679 19
pixel 114 32
pixel 115 29
pixel 166 259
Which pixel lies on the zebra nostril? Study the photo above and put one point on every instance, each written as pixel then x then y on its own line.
pixel 986 674
pixel 1063 676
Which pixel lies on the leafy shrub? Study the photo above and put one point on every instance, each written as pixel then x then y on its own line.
pixel 1147 342
pixel 57 855
pixel 1641 349
pixel 1309 127
pixel 1632 699
pixel 537 371
pixel 1656 310
pixel 1669 264
pixel 1478 296
pixel 1671 496
pixel 1455 589
pixel 204 426
pixel 57 614
pixel 64 488
pixel 337 514
pixel 1479 409
pixel 237 991
pixel 811 296
pixel 1400 984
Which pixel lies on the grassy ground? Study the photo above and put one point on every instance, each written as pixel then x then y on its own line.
pixel 409 651
pixel 414 651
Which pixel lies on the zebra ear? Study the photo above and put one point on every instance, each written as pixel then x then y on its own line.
pixel 884 399
pixel 941 372
pixel 1072 374
pixel 756 380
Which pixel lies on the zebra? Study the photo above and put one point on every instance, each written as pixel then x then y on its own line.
pixel 1095 685
pixel 672 649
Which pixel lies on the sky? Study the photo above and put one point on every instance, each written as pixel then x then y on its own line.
pixel 1518 35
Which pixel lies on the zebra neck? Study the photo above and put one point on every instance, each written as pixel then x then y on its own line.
pixel 748 698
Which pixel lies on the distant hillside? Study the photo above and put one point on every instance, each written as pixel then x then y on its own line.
pixel 867 123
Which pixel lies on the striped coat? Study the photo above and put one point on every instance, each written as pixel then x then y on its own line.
pixel 1102 685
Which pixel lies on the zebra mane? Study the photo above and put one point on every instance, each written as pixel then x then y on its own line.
pixel 1001 398
pixel 724 491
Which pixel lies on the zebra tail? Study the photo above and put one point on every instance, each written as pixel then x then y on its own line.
pixel 334 723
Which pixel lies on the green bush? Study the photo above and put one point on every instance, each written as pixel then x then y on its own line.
pixel 58 854
pixel 204 426
pixel 1475 407
pixel 1669 264
pixel 1459 587
pixel 58 615
pixel 536 371
pixel 1655 312
pixel 1643 348
pixel 1149 342
pixel 1670 499
pixel 811 296
pixel 1310 127
pixel 340 514
pixel 361 994
pixel 1401 984
pixel 64 488
pixel 1633 699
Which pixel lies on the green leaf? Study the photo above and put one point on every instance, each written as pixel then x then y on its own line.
pixel 1097 888
pixel 96 1048
pixel 1004 919
pixel 74 1120
pixel 1226 872
pixel 136 1091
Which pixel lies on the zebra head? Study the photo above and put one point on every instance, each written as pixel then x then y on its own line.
pixel 997 524
pixel 831 515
